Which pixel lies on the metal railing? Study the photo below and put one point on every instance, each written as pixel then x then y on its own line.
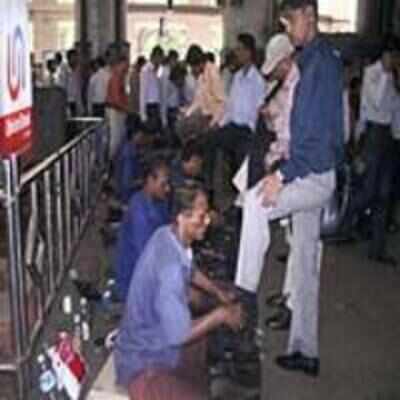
pixel 46 209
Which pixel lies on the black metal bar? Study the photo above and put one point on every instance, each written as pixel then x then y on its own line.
pixel 16 278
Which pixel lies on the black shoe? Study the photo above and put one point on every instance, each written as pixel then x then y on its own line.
pixel 298 362
pixel 277 300
pixel 280 321
pixel 384 260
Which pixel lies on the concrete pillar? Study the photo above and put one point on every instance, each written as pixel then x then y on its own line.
pixel 254 16
pixel 103 24
pixel 378 18
pixel 396 18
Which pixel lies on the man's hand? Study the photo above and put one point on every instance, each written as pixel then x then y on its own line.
pixel 216 219
pixel 214 123
pixel 226 297
pixel 271 188
pixel 266 112
pixel 233 316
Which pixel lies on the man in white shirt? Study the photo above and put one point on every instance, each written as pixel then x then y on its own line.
pixel 175 99
pixel 97 91
pixel 241 111
pixel 166 88
pixel 151 92
pixel 377 100
pixel 70 81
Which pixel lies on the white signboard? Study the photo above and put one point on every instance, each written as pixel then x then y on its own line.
pixel 15 78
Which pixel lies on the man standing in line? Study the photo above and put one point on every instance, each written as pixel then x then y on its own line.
pixel 247 95
pixel 97 92
pixel 378 97
pixel 70 80
pixel 238 123
pixel 151 101
pixel 302 185
pixel 118 105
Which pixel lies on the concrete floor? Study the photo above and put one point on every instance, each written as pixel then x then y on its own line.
pixel 360 331
pixel 360 326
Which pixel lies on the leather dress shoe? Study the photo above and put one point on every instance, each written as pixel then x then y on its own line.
pixel 299 362
pixel 280 321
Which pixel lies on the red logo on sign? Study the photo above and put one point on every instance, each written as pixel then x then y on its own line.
pixel 16 65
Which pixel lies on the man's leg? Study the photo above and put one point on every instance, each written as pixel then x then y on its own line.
pixel 384 182
pixel 235 141
pixel 395 193
pixel 117 131
pixel 306 194
pixel 154 123
pixel 288 282
pixel 187 382
pixel 306 258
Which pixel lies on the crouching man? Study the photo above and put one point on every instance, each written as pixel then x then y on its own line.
pixel 160 351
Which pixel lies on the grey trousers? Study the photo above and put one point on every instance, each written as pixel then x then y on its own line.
pixel 304 200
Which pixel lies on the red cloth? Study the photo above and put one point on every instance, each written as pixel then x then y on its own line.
pixel 187 382
pixel 116 96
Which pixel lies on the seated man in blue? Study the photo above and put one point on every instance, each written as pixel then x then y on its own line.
pixel 159 352
pixel 189 166
pixel 147 211
pixel 128 166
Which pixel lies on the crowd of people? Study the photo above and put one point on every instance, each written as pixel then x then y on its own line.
pixel 285 128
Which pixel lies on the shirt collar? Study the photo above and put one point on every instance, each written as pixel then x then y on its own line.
pixel 309 49
pixel 247 71
pixel 153 68
pixel 379 65
pixel 186 253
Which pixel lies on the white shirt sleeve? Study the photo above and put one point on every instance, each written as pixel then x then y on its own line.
pixel 374 87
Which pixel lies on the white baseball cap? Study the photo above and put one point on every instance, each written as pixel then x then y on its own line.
pixel 278 48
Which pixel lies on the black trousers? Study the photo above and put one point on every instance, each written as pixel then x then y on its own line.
pixel 99 110
pixel 234 140
pixel 73 109
pixel 258 148
pixel 153 124
pixel 395 193
pixel 172 117
pixel 377 184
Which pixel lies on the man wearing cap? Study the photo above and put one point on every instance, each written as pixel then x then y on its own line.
pixel 302 185
pixel 280 66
